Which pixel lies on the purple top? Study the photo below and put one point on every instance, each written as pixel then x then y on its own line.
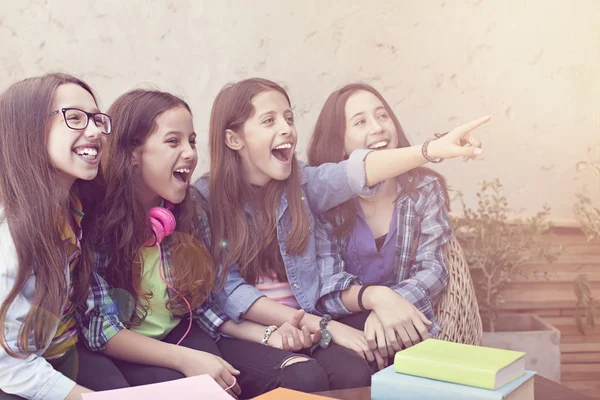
pixel 364 260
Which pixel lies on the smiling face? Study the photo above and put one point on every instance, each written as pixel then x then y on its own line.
pixel 74 153
pixel 267 139
pixel 168 157
pixel 368 124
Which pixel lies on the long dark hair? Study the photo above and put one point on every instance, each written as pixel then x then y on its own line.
pixel 327 145
pixel 34 204
pixel 121 224
pixel 253 245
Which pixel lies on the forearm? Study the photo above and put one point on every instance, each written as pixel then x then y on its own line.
pixel 269 312
pixel 134 347
pixel 372 296
pixel 76 392
pixel 247 330
pixel 387 164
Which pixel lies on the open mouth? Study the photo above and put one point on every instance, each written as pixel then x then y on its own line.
pixel 182 174
pixel 283 152
pixel 382 144
pixel 87 152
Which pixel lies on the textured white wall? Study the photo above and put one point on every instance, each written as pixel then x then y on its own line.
pixel 534 65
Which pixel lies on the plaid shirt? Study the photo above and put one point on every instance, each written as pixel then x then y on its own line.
pixel 422 230
pixel 109 310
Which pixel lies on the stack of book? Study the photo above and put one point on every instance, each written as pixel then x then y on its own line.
pixel 440 370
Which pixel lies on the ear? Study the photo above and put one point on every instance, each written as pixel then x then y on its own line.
pixel 233 140
pixel 136 157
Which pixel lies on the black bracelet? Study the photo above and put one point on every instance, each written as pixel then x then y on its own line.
pixel 424 152
pixel 360 296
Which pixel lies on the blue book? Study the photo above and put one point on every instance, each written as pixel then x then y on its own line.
pixel 387 384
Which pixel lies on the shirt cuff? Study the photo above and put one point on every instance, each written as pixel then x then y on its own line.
pixel 357 174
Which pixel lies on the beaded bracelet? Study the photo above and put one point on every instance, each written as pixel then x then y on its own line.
pixel 268 332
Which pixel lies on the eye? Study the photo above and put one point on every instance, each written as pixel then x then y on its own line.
pixel 383 116
pixel 268 121
pixel 193 142
pixel 173 141
pixel 290 119
pixel 359 122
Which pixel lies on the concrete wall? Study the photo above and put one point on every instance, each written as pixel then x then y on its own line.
pixel 534 65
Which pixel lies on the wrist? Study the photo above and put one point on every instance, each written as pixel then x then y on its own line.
pixel 178 358
pixel 374 295
pixel 310 321
pixel 268 334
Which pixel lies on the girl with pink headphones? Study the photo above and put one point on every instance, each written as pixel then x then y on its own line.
pixel 52 135
pixel 155 276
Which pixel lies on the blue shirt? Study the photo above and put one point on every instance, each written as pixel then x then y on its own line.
pixel 317 277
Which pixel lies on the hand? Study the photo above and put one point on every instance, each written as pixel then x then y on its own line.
pixel 458 142
pixel 399 317
pixel 352 339
pixel 290 338
pixel 375 335
pixel 196 362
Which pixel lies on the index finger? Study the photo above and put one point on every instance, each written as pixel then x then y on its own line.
pixel 469 126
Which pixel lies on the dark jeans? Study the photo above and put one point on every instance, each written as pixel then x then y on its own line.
pixel 92 370
pixel 333 368
pixel 252 381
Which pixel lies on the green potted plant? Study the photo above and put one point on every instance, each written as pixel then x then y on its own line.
pixel 588 215
pixel 496 249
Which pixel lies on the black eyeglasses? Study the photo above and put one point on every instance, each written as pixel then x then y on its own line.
pixel 77 119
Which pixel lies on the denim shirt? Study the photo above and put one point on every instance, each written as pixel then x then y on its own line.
pixel 317 277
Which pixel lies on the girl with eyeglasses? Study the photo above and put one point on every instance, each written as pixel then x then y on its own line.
pixel 51 139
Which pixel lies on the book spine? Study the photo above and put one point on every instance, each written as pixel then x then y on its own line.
pixel 393 389
pixel 443 372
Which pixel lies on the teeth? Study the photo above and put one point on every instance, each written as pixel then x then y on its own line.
pixel 284 146
pixel 377 145
pixel 183 170
pixel 87 151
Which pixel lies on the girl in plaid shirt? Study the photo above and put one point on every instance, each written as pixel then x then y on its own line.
pixel 394 240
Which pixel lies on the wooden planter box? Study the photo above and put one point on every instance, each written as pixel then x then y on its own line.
pixel 531 334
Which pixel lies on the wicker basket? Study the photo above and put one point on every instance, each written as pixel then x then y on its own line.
pixel 457 309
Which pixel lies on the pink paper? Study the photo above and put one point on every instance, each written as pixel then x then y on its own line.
pixel 195 387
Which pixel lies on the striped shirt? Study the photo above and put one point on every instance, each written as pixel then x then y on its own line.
pixel 279 291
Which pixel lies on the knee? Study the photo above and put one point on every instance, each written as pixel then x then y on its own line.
pixel 303 374
pixel 351 372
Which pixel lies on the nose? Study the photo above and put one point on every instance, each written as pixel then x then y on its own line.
pixel 92 131
pixel 283 127
pixel 375 127
pixel 189 152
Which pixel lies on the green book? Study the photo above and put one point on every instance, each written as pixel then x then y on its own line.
pixel 478 366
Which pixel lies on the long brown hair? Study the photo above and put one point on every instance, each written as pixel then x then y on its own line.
pixel 121 224
pixel 34 204
pixel 236 239
pixel 327 145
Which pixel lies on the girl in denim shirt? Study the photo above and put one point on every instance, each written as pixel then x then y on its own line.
pixel 275 256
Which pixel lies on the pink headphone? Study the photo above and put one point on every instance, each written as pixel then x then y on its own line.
pixel 163 224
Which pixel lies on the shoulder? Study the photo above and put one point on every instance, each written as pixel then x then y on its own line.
pixel 202 184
